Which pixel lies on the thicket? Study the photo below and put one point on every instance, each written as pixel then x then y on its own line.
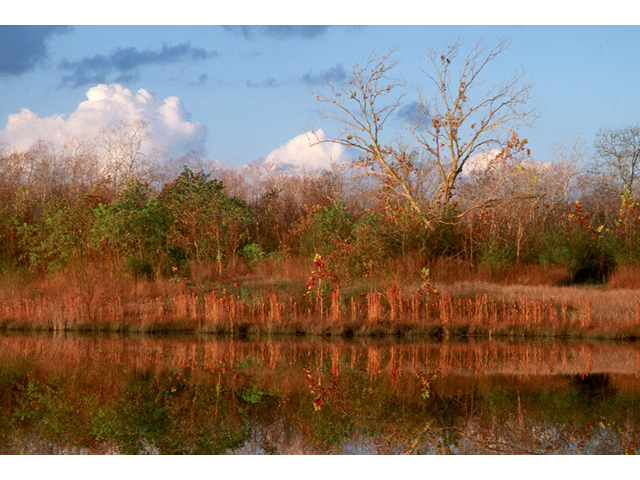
pixel 229 220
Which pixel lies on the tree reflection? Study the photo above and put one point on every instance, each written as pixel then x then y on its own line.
pixel 196 395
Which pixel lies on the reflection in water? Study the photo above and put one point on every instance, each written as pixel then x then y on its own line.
pixel 204 395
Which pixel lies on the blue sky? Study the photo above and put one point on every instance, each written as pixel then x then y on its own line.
pixel 243 92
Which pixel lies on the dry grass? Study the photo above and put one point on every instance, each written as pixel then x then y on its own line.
pixel 626 277
pixel 606 304
pixel 448 271
pixel 270 300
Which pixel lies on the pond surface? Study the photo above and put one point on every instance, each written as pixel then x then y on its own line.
pixel 209 395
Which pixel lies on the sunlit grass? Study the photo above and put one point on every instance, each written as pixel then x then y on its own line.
pixel 273 299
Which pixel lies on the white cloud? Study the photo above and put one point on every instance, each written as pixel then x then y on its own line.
pixel 169 125
pixel 304 153
pixel 480 161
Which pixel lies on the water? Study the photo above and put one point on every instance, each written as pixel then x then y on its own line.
pixel 208 395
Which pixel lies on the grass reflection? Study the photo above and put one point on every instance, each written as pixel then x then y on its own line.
pixel 198 395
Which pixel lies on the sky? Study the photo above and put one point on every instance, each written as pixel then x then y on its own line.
pixel 241 94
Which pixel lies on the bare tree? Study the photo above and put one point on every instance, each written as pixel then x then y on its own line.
pixel 462 118
pixel 618 155
pixel 126 153
pixel 507 188
pixel 563 179
pixel 450 128
pixel 81 164
pixel 363 106
pixel 38 169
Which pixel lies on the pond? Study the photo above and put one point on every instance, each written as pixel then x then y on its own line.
pixel 194 394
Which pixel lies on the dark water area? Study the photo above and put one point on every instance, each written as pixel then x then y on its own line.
pixel 72 394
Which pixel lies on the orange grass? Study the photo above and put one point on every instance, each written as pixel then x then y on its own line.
pixel 98 300
pixel 626 277
pixel 462 309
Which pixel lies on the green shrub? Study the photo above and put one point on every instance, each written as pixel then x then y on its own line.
pixel 252 253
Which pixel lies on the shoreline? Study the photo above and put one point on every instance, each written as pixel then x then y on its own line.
pixel 362 330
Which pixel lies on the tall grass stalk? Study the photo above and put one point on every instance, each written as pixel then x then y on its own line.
pixel 275 306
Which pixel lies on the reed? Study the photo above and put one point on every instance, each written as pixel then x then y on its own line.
pixel 461 308
pixel 374 307
pixel 275 310
pixel 336 309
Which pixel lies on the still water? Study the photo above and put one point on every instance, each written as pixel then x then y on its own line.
pixel 209 395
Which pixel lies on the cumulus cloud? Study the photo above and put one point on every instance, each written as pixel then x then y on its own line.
pixel 479 162
pixel 304 153
pixel 22 47
pixel 278 31
pixel 96 69
pixel 106 105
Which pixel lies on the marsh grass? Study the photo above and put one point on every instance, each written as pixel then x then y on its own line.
pixel 625 277
pixel 271 300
